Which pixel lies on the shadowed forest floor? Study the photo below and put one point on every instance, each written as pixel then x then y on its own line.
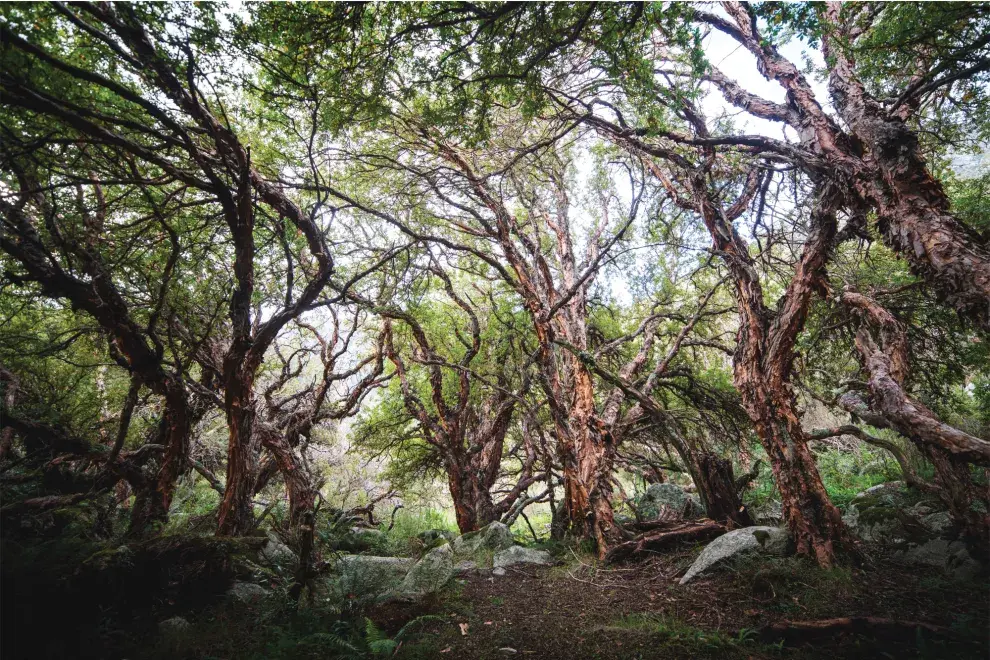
pixel 575 610
pixel 640 611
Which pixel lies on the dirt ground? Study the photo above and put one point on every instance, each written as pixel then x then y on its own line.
pixel 639 610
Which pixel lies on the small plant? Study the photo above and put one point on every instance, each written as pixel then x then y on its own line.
pixel 361 642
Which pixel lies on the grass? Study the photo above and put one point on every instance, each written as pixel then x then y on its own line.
pixel 682 637
pixel 794 585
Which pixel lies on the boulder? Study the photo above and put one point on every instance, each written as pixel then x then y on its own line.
pixel 174 627
pixel 769 513
pixel 491 538
pixel 356 539
pixel 951 556
pixel 429 574
pixel 670 496
pixel 911 533
pixel 520 555
pixel 465 567
pixel 768 540
pixel 276 553
pixel 431 536
pixel 884 515
pixel 246 593
pixel 367 536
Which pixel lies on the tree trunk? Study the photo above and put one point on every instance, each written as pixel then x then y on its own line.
pixel 460 493
pixel 761 371
pixel 588 458
pixel 717 489
pixel 815 523
pixel 302 503
pixel 911 205
pixel 470 490
pixel 236 516
pixel 966 504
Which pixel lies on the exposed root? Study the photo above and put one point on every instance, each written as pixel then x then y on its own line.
pixel 664 537
pixel 802 631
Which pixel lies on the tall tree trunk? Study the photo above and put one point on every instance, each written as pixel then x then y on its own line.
pixel 762 365
pixel 588 460
pixel 236 515
pixel 460 493
pixel 302 503
pixel 814 522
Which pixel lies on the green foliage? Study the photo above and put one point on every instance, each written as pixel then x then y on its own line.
pixel 683 638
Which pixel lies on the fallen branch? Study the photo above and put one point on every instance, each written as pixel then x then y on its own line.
pixel 801 631
pixel 660 539
pixel 40 504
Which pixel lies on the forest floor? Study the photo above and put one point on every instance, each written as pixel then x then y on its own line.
pixel 574 610
pixel 639 610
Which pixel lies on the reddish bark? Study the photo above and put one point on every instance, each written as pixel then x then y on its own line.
pixel 664 537
pixel 878 163
pixel 469 437
pixel 717 489
pixel 558 312
pixel 100 298
pixel 302 502
pixel 947 448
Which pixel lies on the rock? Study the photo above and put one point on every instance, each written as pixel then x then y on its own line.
pixel 888 488
pixel 951 556
pixel 357 539
pixel 174 627
pixel 492 537
pixel 246 592
pixel 465 567
pixel 673 497
pixel 520 555
pixel 939 523
pixel 883 515
pixel 276 553
pixel 365 575
pixel 431 536
pixel 911 533
pixel 429 574
pixel 499 572
pixel 770 513
pixel 367 536
pixel 769 540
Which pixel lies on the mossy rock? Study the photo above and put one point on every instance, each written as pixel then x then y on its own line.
pixel 891 515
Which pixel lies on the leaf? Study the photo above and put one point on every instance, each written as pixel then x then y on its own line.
pixel 464 629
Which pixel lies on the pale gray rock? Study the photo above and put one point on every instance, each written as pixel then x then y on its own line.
pixel 492 538
pixel 939 523
pixel 465 567
pixel 517 554
pixel 499 572
pixel 669 496
pixel 767 540
pixel 431 536
pixel 276 553
pixel 770 513
pixel 429 574
pixel 951 556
